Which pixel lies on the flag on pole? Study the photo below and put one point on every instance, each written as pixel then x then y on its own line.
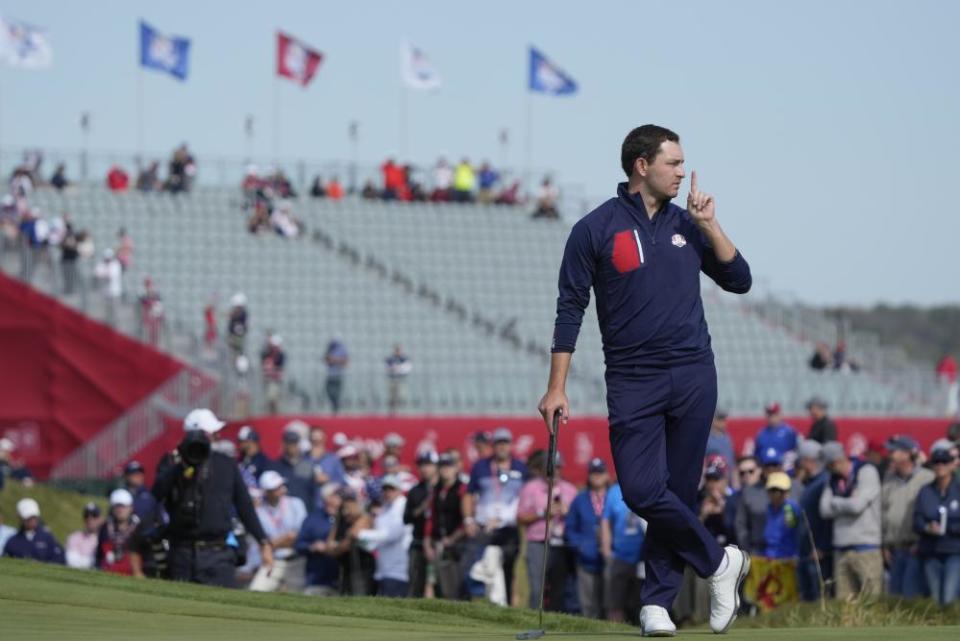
pixel 296 60
pixel 164 53
pixel 546 77
pixel 24 46
pixel 416 70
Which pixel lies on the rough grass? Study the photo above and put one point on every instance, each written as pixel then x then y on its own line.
pixel 860 613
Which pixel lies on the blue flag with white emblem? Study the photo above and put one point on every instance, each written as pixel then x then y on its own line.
pixel 546 77
pixel 163 53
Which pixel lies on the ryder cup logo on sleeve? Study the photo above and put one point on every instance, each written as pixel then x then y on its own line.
pixel 678 240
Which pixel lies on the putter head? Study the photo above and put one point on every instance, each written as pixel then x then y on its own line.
pixel 530 634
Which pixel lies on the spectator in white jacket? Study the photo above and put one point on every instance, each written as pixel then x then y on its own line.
pixel 391 539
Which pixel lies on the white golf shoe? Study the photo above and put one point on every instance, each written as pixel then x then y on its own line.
pixel 655 622
pixel 725 589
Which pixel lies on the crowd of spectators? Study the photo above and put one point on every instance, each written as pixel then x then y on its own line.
pixel 348 518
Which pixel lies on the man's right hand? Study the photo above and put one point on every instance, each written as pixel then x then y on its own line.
pixel 552 401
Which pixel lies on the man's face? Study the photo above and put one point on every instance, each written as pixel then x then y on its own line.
pixel 448 473
pixel 773 419
pixel 318 440
pixel 428 471
pixel 720 424
pixel 901 461
pixel 332 503
pixel 502 449
pixel 776 497
pixel 840 467
pixel 664 174
pixel 598 480
pixel 810 465
pixel 90 523
pixel 31 524
pixel 716 485
pixel 749 472
pixel 249 448
pixel 135 480
pixel 291 450
pixel 275 495
pixel 817 412
pixel 351 463
pixel 121 512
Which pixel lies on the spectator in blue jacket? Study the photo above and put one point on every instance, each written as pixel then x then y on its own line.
pixel 783 519
pixel 811 471
pixel 778 435
pixel 33 540
pixel 719 443
pixel 582 535
pixel 936 518
pixel 621 542
pixel 316 541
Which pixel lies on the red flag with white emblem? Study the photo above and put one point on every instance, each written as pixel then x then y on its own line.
pixel 295 60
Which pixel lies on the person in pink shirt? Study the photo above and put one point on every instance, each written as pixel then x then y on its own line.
pixel 81 547
pixel 531 514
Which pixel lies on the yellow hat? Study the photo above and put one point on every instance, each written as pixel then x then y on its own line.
pixel 778 481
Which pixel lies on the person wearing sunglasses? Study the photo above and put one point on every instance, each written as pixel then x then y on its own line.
pixel 936 518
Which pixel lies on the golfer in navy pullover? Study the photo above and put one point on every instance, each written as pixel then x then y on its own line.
pixel 643 255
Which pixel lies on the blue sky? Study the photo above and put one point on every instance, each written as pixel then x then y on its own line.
pixel 826 130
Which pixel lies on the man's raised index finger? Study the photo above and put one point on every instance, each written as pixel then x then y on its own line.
pixel 693 181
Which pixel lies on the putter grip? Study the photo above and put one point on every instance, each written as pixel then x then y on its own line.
pixel 552 449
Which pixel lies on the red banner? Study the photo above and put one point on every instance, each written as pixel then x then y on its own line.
pixel 295 60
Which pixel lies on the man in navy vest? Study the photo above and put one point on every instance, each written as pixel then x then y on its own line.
pixel 643 255
pixel 33 540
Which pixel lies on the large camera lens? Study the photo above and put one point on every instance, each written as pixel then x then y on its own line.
pixel 195 448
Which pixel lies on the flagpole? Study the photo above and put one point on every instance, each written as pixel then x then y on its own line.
pixel 403 124
pixel 276 120
pixel 528 144
pixel 140 112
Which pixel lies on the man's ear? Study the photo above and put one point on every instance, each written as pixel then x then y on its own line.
pixel 640 166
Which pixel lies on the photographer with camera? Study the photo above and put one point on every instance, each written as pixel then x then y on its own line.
pixel 201 492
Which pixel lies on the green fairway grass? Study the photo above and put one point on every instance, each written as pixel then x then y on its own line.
pixel 45 603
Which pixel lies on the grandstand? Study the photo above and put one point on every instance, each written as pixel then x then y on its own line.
pixel 468 290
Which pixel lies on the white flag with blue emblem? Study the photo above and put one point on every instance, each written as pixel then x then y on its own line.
pixel 546 77
pixel 25 46
pixel 164 53
pixel 416 69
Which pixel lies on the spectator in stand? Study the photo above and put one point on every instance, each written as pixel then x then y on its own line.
pixel 531 514
pixel 490 506
pixel 117 179
pixel 210 333
pixel 901 485
pixel 149 179
pixel 272 361
pixel 316 540
pixel 778 435
pixel 581 533
pixel 296 469
pixel 811 472
pixel 852 500
pixel 464 182
pixel 110 273
pixel 416 514
pixel 327 467
pixel 483 444
pixel 11 467
pixel 444 542
pixel 317 190
pixel 842 361
pixel 357 564
pixel 284 222
pixel 947 375
pixel 621 543
pixel 488 178
pixel 394 179
pixel 720 444
pixel 936 519
pixel 281 517
pixel 59 179
pixel 442 182
pixel 547 201
pixel 6 532
pixel 120 547
pixel 124 249
pixel 510 195
pixel 822 428
pixel 33 540
pixel 151 312
pixel 398 369
pixel 390 538
pixel 69 255
pixel 337 358
pixel 237 323
pixel 369 191
pixel 81 548
pixel 181 170
pixel 822 358
pixel 335 189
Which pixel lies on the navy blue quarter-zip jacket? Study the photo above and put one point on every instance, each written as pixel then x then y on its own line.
pixel 645 274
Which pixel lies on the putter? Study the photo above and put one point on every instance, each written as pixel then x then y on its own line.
pixel 551 464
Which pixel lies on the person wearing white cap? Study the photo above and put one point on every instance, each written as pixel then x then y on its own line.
pixel 119 547
pixel 33 540
pixel 202 492
pixel 391 538
pixel 281 517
